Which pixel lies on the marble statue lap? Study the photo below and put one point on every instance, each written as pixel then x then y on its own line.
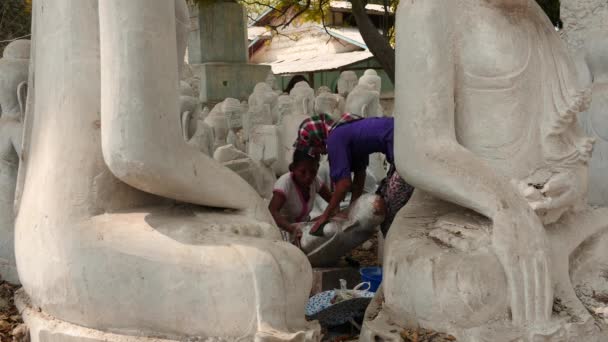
pixel 13 77
pixel 341 235
pixel 124 231
pixel 497 243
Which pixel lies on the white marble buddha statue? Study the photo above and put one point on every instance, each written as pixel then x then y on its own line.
pixel 124 231
pixel 485 129
pixel 595 120
pixel 14 66
pixel 327 103
pixel 303 99
pixel 364 100
pixel 346 82
pixel 263 104
pixel 370 77
pixel 284 107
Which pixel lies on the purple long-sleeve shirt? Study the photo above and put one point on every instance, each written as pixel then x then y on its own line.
pixel 349 145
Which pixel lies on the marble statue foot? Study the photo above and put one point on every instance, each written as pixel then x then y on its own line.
pixel 172 273
pixel 340 236
pixel 440 273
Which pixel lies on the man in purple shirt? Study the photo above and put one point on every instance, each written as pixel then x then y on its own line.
pixel 348 143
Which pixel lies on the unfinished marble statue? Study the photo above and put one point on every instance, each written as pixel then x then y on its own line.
pixel 303 97
pixel 263 144
pixel 271 81
pixel 219 124
pixel 258 175
pixel 347 82
pixel 284 107
pixel 124 231
pixel 263 101
pixel 232 110
pixel 370 77
pixel 595 120
pixel 262 109
pixel 496 240
pixel 342 234
pixel 322 90
pixel 189 109
pixel 328 103
pixel 363 100
pixel 203 139
pixel 13 77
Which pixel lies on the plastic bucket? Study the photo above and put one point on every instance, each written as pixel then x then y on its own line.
pixel 373 275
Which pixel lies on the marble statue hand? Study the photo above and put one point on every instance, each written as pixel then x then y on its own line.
pixel 563 190
pixel 519 241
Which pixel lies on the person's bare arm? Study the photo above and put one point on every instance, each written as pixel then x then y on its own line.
pixel 325 193
pixel 275 205
pixel 341 188
pixel 358 185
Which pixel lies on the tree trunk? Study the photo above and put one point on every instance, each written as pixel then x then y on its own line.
pixel 377 44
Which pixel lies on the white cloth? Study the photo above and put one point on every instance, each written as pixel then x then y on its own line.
pixel 295 208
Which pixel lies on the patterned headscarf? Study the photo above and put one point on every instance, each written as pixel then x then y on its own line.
pixel 313 132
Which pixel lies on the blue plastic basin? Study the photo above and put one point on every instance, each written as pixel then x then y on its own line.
pixel 373 275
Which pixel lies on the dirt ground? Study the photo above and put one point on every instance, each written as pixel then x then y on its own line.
pixel 12 328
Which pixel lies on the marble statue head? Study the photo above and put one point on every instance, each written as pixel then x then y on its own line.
pixel 347 81
pixel 303 97
pixel 326 103
pixel 232 110
pixel 363 100
pixel 323 89
pixel 271 81
pixel 371 78
pixel 13 74
pixel 284 106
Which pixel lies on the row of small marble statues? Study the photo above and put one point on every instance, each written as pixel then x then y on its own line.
pixel 254 138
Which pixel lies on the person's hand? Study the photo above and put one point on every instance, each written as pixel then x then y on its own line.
pixel 296 233
pixel 519 240
pixel 320 221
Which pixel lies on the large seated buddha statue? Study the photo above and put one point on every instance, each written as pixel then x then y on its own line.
pixel 497 243
pixel 124 231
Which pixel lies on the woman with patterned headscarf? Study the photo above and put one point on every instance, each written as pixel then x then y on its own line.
pixel 348 144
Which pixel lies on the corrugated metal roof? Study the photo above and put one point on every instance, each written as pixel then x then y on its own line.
pixel 348 34
pixel 318 62
pixel 373 8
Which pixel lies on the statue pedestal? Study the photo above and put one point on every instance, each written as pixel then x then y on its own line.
pixel 223 67
pixel 221 80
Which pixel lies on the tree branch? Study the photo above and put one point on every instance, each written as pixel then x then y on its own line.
pixel 377 44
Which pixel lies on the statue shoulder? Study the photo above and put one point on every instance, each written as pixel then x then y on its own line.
pixel 430 9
